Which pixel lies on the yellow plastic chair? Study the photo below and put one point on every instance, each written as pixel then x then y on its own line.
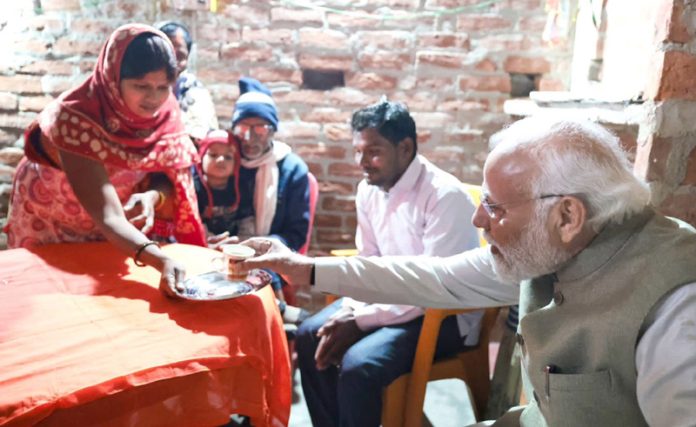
pixel 402 403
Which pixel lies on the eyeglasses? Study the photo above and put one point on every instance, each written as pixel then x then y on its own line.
pixel 495 211
pixel 243 130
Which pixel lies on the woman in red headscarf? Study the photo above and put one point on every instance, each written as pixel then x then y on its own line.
pixel 116 140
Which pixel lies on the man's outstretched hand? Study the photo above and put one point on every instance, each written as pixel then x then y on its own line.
pixel 273 255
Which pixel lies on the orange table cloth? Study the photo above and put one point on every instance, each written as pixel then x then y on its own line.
pixel 87 339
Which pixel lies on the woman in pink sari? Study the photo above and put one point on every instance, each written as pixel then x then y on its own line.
pixel 116 140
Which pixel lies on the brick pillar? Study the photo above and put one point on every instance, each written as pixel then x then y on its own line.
pixel 666 153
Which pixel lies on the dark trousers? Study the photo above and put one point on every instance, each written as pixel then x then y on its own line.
pixel 352 394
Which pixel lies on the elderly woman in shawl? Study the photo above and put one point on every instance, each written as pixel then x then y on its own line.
pixel 94 151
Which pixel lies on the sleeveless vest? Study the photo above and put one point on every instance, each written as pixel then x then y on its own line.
pixel 580 326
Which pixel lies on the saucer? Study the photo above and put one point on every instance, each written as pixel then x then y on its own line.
pixel 215 286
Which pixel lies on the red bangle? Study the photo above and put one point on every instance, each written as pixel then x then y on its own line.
pixel 139 251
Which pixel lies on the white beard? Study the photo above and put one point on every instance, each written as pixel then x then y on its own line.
pixel 531 255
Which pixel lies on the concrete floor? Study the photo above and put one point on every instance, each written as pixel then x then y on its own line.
pixel 446 405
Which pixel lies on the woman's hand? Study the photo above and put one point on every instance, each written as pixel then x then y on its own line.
pixel 140 209
pixel 215 241
pixel 172 280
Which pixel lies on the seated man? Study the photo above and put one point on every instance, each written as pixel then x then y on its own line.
pixel 197 108
pixel 607 285
pixel 273 182
pixel 350 350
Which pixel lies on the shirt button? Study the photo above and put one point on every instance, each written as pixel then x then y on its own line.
pixel 558 297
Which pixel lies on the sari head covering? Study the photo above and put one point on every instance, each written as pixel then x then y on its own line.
pixel 219 137
pixel 93 120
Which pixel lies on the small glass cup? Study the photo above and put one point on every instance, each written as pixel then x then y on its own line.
pixel 232 255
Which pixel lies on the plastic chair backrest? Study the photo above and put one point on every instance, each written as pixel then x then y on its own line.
pixel 313 197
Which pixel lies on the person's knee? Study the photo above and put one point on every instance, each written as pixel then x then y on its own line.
pixel 357 371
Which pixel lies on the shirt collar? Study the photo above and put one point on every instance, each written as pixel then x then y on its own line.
pixel 409 177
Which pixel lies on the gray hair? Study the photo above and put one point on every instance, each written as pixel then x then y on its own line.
pixel 578 157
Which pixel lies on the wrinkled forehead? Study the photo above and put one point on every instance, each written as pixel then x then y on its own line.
pixel 508 174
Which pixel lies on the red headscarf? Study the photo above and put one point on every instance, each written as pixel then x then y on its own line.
pixel 92 120
pixel 219 137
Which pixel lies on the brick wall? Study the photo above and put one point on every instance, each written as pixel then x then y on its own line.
pixel 666 152
pixel 450 68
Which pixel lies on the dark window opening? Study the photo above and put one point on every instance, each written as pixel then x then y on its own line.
pixel 523 84
pixel 322 80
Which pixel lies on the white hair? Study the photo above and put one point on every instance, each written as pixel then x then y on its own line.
pixel 577 157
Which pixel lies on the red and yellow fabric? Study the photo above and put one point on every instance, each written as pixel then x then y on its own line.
pixel 87 339
pixel 92 120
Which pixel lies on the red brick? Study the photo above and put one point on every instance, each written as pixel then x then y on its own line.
pixel 247 15
pixel 486 65
pixel 11 155
pixel 92 27
pixel 384 60
pixel 207 55
pixel 333 221
pixel 338 132
pixel 350 22
pixel 526 65
pixel 432 120
pixel 20 84
pixel 36 46
pixel 48 25
pixel 506 43
pixel 342 204
pixel 461 105
pixel 351 97
pixel 651 158
pixel 216 34
pixel 351 223
pixel 420 101
pixel 334 239
pixel 341 188
pixel 326 115
pixel 389 40
pixel 682 206
pixel 671 22
pixel 550 85
pixel 316 169
pixel 320 151
pixel 56 85
pixel 16 121
pixel 298 130
pixel 404 4
pixel 305 17
pixel 245 52
pixel 466 137
pixel 527 5
pixel 213 76
pixel 323 39
pixel 532 24
pixel 8 138
pixel 479 22
pixel 345 169
pixel 423 136
pixel 304 97
pixel 440 59
pixel 427 83
pixel 61 68
pixel 690 177
pixel 439 4
pixel 328 62
pixel 678 80
pixel 371 81
pixel 265 74
pixel 34 103
pixel 485 83
pixel 273 36
pixel 458 41
pixel 60 5
pixel 65 46
pixel 8 101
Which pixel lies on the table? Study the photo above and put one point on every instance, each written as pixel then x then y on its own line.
pixel 87 339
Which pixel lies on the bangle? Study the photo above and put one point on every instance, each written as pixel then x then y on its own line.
pixel 139 251
pixel 162 199
pixel 312 274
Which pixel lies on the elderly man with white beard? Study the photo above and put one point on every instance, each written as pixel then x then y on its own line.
pixel 606 285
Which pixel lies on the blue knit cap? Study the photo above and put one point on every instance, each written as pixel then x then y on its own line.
pixel 254 101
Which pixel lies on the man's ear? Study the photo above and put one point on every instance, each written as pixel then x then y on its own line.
pixel 570 218
pixel 406 148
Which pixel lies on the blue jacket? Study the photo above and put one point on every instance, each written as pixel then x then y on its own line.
pixel 291 220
